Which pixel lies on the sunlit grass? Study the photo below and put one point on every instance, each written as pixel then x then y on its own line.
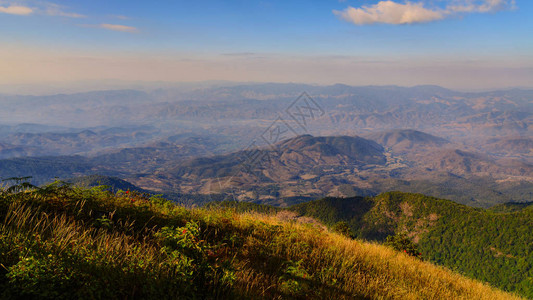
pixel 58 242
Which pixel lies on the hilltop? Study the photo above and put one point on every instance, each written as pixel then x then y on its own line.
pixel 114 184
pixel 302 167
pixel 60 242
pixel 404 140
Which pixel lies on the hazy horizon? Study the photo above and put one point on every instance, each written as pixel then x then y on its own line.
pixel 457 44
pixel 54 88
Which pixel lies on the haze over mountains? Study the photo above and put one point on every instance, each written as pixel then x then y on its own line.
pixel 474 148
pixel 266 149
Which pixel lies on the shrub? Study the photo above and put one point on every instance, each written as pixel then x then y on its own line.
pixel 401 242
pixel 343 228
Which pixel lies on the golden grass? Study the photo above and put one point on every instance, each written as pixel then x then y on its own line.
pixel 362 269
pixel 274 259
pixel 66 233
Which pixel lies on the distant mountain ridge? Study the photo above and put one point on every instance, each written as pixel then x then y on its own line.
pixel 307 167
pixel 378 107
pixel 113 183
pixel 406 139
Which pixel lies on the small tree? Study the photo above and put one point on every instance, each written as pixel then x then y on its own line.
pixel 18 185
pixel 343 228
pixel 401 242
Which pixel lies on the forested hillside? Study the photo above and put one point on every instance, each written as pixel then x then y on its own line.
pixel 493 245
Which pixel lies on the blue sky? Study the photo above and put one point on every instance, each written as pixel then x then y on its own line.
pixel 455 43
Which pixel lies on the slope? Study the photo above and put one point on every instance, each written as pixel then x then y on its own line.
pixel 54 246
pixel 490 245
pixel 403 140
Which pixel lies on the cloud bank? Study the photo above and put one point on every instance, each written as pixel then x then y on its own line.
pixel 390 12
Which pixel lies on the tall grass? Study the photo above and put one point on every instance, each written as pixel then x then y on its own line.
pixel 62 242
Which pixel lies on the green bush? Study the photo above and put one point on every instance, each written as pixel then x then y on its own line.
pixel 402 243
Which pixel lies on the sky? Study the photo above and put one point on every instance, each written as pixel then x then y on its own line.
pixel 460 44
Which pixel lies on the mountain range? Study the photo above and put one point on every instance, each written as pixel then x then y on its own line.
pixel 300 169
pixel 474 148
pixel 307 167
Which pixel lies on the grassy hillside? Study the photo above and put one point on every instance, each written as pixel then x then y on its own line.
pixel 494 245
pixel 59 242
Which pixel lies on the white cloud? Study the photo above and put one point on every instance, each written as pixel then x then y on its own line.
pixel 16 10
pixel 390 12
pixel 37 7
pixel 117 27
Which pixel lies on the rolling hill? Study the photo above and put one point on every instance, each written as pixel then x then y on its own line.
pixel 114 184
pixel 9 151
pixel 407 140
pixel 291 167
pixel 298 169
pixel 306 167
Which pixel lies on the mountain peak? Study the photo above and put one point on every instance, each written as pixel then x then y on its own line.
pixel 351 146
pixel 404 139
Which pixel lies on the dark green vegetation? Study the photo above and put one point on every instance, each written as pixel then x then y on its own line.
pixel 114 184
pixel 59 242
pixel 401 242
pixel 44 169
pixel 185 144
pixel 493 245
pixel 475 191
